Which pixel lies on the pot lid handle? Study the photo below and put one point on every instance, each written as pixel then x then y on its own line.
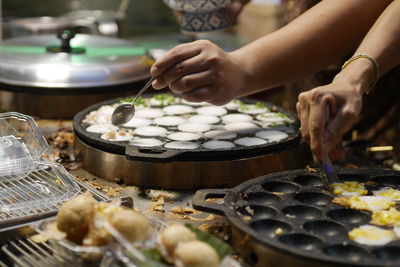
pixel 66 36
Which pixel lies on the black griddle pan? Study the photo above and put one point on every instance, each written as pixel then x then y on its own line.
pixel 162 154
pixel 292 214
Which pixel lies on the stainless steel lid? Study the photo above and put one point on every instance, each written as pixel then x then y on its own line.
pixel 47 61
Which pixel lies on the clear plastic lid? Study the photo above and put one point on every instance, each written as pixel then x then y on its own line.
pixel 29 186
pixel 42 190
pixel 21 143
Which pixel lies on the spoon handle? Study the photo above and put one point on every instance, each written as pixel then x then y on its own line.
pixel 327 166
pixel 143 89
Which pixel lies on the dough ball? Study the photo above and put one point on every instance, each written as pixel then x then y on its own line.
pixel 172 236
pixel 96 237
pixel 196 254
pixel 75 215
pixel 131 224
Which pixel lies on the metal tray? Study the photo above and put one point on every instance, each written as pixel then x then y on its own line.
pixel 314 230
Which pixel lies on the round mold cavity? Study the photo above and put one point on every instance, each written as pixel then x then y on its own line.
pixel 325 228
pixel 302 212
pixel 281 187
pixel 346 251
pixel 353 177
pixel 301 241
pixel 350 216
pixel 253 258
pixel 387 254
pixel 387 179
pixel 256 211
pixel 271 228
pixel 309 180
pixel 261 198
pixel 314 198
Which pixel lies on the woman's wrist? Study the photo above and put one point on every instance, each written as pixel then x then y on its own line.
pixel 360 75
pixel 242 62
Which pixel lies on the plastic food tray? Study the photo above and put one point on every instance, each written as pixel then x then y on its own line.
pixel 80 254
pixel 120 251
pixel 30 188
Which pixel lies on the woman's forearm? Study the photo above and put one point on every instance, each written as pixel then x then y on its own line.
pixel 383 40
pixel 382 43
pixel 319 37
pixel 378 52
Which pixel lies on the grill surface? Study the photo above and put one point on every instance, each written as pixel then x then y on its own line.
pixel 292 213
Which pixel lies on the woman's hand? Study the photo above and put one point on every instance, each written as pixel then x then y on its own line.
pixel 324 131
pixel 200 71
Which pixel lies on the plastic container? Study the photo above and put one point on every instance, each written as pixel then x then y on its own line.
pixel 132 257
pixel 28 185
pixel 21 143
pixel 121 250
pixel 116 251
pixel 70 251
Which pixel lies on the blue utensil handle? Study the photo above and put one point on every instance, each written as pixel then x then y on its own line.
pixel 329 169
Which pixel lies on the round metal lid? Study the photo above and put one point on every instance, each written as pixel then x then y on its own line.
pixel 90 61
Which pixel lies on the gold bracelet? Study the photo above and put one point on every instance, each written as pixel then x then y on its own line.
pixel 374 62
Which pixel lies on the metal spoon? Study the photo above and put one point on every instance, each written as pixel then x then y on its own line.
pixel 124 112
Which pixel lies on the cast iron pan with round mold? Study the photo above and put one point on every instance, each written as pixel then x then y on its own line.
pixel 162 154
pixel 289 219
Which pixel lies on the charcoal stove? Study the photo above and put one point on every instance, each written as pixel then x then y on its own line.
pixel 288 219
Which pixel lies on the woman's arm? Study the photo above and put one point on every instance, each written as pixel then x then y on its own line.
pixel 203 72
pixel 321 36
pixel 344 94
